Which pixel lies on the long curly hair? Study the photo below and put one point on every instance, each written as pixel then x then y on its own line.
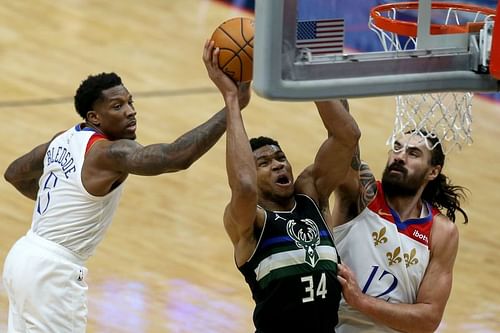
pixel 440 192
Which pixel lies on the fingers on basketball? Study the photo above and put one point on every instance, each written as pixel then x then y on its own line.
pixel 235 38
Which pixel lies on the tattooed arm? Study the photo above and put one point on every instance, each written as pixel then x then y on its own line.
pixel 108 163
pixel 25 171
pixel 355 193
pixel 178 155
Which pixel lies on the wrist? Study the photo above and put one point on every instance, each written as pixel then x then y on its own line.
pixel 364 303
pixel 230 99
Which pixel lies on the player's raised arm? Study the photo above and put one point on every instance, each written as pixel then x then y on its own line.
pixel 335 154
pixel 240 213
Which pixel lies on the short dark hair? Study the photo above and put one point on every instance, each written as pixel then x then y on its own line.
pixel 262 141
pixel 90 90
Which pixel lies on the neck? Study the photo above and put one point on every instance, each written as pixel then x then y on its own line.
pixel 87 124
pixel 406 207
pixel 277 205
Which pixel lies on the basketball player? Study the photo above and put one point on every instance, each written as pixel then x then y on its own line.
pixel 281 229
pixel 397 248
pixel 76 180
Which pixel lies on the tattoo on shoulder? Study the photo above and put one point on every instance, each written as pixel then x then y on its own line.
pixel 121 149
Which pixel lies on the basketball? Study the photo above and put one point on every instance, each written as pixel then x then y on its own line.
pixel 234 38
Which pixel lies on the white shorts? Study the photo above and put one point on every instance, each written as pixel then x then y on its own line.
pixel 46 286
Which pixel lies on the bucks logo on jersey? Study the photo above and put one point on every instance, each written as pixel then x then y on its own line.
pixel 306 236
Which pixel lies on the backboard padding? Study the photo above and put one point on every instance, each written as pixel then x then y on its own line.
pixel 495 49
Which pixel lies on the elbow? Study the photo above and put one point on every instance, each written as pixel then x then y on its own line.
pixel 355 133
pixel 429 324
pixel 427 328
pixel 434 328
pixel 185 162
pixel 9 175
pixel 432 325
pixel 6 176
pixel 184 165
pixel 351 136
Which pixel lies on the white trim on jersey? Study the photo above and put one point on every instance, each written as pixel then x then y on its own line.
pixel 289 258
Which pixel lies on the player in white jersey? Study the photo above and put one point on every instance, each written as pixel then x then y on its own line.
pixel 76 180
pixel 397 249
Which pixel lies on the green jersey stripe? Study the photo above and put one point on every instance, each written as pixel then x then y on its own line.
pixel 295 270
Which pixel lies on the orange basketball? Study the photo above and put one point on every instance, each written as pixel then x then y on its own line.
pixel 234 38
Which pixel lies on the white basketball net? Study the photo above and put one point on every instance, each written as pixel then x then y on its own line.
pixel 446 116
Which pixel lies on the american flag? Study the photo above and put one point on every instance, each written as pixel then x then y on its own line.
pixel 321 36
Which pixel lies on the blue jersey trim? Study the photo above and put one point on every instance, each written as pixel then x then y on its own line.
pixel 79 128
pixel 402 225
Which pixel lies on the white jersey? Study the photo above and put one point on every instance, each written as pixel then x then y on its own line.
pixel 65 213
pixel 388 256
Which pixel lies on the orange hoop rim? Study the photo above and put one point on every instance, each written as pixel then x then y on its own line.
pixel 405 28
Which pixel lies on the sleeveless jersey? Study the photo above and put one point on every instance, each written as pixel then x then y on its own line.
pixel 65 213
pixel 293 272
pixel 388 256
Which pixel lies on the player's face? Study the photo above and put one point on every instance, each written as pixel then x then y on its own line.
pixel 408 168
pixel 274 173
pixel 115 113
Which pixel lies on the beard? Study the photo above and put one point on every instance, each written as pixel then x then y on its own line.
pixel 400 184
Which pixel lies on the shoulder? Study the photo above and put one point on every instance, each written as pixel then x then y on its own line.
pixel 93 139
pixel 443 225
pixel 114 156
pixel 59 133
pixel 114 149
pixel 243 234
pixel 304 183
pixel 305 177
pixel 444 234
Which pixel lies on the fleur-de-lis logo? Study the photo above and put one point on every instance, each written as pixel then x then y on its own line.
pixel 306 238
pixel 378 237
pixel 410 258
pixel 394 257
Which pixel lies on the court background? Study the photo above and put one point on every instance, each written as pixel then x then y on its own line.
pixel 166 264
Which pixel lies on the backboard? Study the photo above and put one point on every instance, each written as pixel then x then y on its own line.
pixel 292 61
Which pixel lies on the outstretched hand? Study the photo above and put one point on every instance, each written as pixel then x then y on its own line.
pixel 211 59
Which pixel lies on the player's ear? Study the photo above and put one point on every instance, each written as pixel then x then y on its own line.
pixel 93 118
pixel 434 172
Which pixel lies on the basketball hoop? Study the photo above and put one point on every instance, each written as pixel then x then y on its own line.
pixel 443 115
